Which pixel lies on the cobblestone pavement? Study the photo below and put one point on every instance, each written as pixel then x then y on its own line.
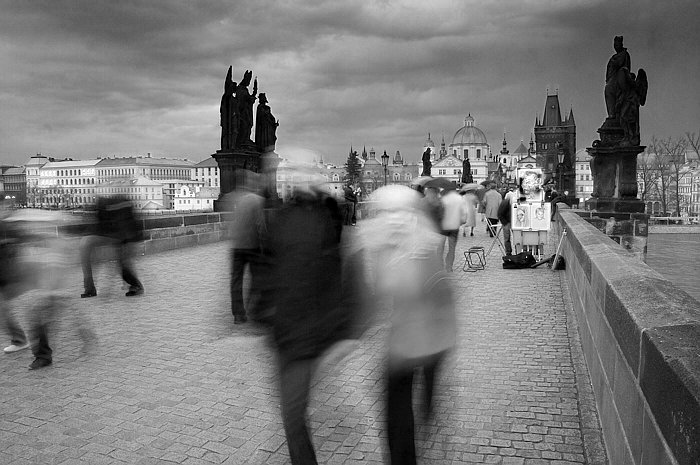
pixel 172 380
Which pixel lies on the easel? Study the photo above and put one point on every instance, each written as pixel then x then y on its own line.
pixel 496 238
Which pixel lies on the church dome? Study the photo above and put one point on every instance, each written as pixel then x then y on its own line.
pixel 469 134
pixel 429 142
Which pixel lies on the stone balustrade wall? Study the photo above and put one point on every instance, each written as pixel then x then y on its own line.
pixel 641 339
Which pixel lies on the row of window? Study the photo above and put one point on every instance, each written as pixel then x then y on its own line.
pixel 466 153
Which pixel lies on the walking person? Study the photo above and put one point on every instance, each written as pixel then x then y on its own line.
pixel 492 199
pixel 410 277
pixel 454 215
pixel 10 279
pixel 310 303
pixel 43 260
pixel 247 228
pixel 118 228
pixel 471 202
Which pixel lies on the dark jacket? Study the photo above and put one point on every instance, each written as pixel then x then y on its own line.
pixel 116 219
pixel 304 244
pixel 504 211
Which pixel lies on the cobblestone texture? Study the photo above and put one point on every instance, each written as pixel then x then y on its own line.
pixel 172 380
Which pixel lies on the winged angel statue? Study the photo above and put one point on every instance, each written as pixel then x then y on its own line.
pixel 633 94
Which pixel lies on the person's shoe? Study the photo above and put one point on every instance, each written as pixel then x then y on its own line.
pixel 39 363
pixel 134 291
pixel 15 348
pixel 87 294
pixel 239 319
pixel 471 234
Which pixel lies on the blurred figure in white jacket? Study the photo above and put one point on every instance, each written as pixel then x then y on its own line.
pixel 410 277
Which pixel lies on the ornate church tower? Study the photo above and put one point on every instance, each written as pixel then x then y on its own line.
pixel 553 136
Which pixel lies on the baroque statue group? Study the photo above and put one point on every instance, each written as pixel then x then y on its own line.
pixel 237 116
pixel 625 92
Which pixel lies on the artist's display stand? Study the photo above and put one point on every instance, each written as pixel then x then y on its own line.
pixel 530 215
pixel 531 241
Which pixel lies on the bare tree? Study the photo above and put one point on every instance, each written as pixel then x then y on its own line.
pixel 669 161
pixel 694 142
pixel 647 176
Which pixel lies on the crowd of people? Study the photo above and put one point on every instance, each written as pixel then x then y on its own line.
pixel 313 284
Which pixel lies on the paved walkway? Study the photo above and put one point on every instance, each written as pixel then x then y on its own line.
pixel 172 380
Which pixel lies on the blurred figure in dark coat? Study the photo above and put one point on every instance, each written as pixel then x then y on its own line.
pixel 116 227
pixel 312 306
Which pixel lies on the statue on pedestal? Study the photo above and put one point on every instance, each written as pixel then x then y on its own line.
pixel 467 172
pixel 265 125
pixel 613 162
pixel 426 163
pixel 227 110
pixel 624 94
pixel 245 102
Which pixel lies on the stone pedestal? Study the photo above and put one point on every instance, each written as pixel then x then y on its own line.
pixel 249 158
pixel 246 157
pixel 615 208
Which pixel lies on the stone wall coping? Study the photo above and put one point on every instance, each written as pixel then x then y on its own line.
pixel 656 325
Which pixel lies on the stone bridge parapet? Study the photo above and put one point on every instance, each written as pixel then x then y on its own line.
pixel 641 339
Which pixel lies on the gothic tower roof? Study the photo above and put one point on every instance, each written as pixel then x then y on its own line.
pixel 552 113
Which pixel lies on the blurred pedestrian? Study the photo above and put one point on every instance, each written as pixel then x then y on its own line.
pixel 312 309
pixel 471 202
pixel 118 228
pixel 350 206
pixel 454 215
pixel 432 206
pixel 247 228
pixel 410 277
pixel 492 199
pixel 43 260
pixel 10 279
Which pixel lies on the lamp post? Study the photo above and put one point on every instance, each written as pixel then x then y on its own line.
pixel 385 164
pixel 560 166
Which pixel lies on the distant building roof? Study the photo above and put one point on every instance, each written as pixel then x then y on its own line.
pixel 207 162
pixel 521 149
pixel 62 164
pixel 582 155
pixel 14 170
pixel 144 161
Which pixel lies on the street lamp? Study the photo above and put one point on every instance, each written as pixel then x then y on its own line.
pixel 385 164
pixel 560 167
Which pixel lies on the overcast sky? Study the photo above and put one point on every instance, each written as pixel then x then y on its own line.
pixel 92 78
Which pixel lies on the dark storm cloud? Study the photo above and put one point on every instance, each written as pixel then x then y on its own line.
pixel 93 77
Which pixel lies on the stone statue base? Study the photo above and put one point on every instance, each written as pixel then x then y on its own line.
pixel 614 169
pixel 246 157
pixel 230 160
pixel 614 206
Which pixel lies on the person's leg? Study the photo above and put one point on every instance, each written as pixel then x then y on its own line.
pixel 451 246
pixel 400 429
pixel 295 381
pixel 430 370
pixel 128 274
pixel 261 287
pixel 87 246
pixel 238 262
pixel 506 239
pixel 18 340
pixel 441 248
pixel 43 313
